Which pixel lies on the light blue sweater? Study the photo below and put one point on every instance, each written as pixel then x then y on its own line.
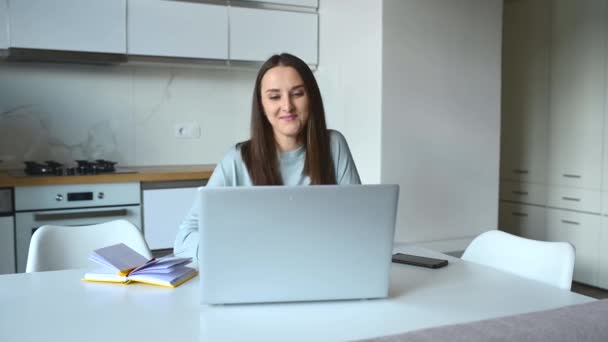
pixel 231 171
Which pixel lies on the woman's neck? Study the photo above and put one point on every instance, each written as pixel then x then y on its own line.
pixel 287 144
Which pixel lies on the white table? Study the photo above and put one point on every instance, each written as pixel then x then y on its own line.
pixel 52 306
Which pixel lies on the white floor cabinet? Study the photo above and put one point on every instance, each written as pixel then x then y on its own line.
pixel 554 104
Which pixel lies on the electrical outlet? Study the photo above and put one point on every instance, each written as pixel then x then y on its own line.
pixel 187 130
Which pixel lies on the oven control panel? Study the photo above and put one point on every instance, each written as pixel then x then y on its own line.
pixel 76 196
pixel 80 196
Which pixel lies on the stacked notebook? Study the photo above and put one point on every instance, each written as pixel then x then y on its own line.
pixel 124 265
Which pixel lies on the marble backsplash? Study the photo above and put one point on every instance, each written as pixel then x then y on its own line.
pixel 122 113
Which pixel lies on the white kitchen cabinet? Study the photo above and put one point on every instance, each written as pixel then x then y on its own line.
pixel 70 25
pixel 304 3
pixel 522 220
pixel 163 212
pixel 577 90
pixel 3 24
pixel 525 90
pixel 582 231
pixel 177 29
pixel 7 245
pixel 256 34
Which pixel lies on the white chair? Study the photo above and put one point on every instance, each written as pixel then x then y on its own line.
pixel 65 247
pixel 548 262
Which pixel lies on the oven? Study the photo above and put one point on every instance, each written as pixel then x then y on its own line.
pixel 71 205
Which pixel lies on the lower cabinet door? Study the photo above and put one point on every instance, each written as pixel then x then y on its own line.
pixel 523 220
pixel 164 211
pixel 603 263
pixel 7 245
pixel 583 231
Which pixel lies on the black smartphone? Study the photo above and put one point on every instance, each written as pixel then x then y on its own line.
pixel 418 260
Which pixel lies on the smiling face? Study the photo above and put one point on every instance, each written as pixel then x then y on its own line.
pixel 286 105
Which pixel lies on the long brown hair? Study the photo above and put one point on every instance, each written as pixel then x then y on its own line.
pixel 260 152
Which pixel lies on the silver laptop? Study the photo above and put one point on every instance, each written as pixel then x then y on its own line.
pixel 307 243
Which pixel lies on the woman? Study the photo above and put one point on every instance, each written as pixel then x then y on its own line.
pixel 289 145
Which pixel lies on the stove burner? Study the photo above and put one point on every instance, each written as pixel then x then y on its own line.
pixel 92 168
pixel 84 167
pixel 49 168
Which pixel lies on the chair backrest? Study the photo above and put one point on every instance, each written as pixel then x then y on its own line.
pixel 548 262
pixel 65 247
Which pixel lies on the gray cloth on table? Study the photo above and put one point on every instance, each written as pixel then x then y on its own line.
pixel 575 323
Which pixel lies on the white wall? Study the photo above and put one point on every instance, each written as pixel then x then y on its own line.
pixel 127 113
pixel 441 116
pixel 350 77
pixel 414 86
pixel 124 113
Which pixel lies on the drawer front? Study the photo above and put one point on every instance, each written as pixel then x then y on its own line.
pixel 528 193
pixel 523 220
pixel 574 199
pixel 582 231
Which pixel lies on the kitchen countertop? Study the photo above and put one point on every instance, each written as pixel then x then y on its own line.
pixel 165 173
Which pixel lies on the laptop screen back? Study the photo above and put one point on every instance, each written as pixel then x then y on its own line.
pixel 281 244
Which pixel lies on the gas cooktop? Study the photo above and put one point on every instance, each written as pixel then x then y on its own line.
pixel 82 168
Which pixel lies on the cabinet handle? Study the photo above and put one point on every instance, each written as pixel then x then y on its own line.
pixel 573 199
pixel 519 214
pixel 520 171
pixel 517 192
pixel 568 175
pixel 80 215
pixel 570 222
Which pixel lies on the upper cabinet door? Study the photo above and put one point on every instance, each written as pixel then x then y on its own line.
pixel 305 3
pixel 577 91
pixel 256 34
pixel 3 24
pixel 177 29
pixel 525 90
pixel 605 164
pixel 72 25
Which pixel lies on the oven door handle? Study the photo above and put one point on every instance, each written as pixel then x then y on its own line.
pixel 80 215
